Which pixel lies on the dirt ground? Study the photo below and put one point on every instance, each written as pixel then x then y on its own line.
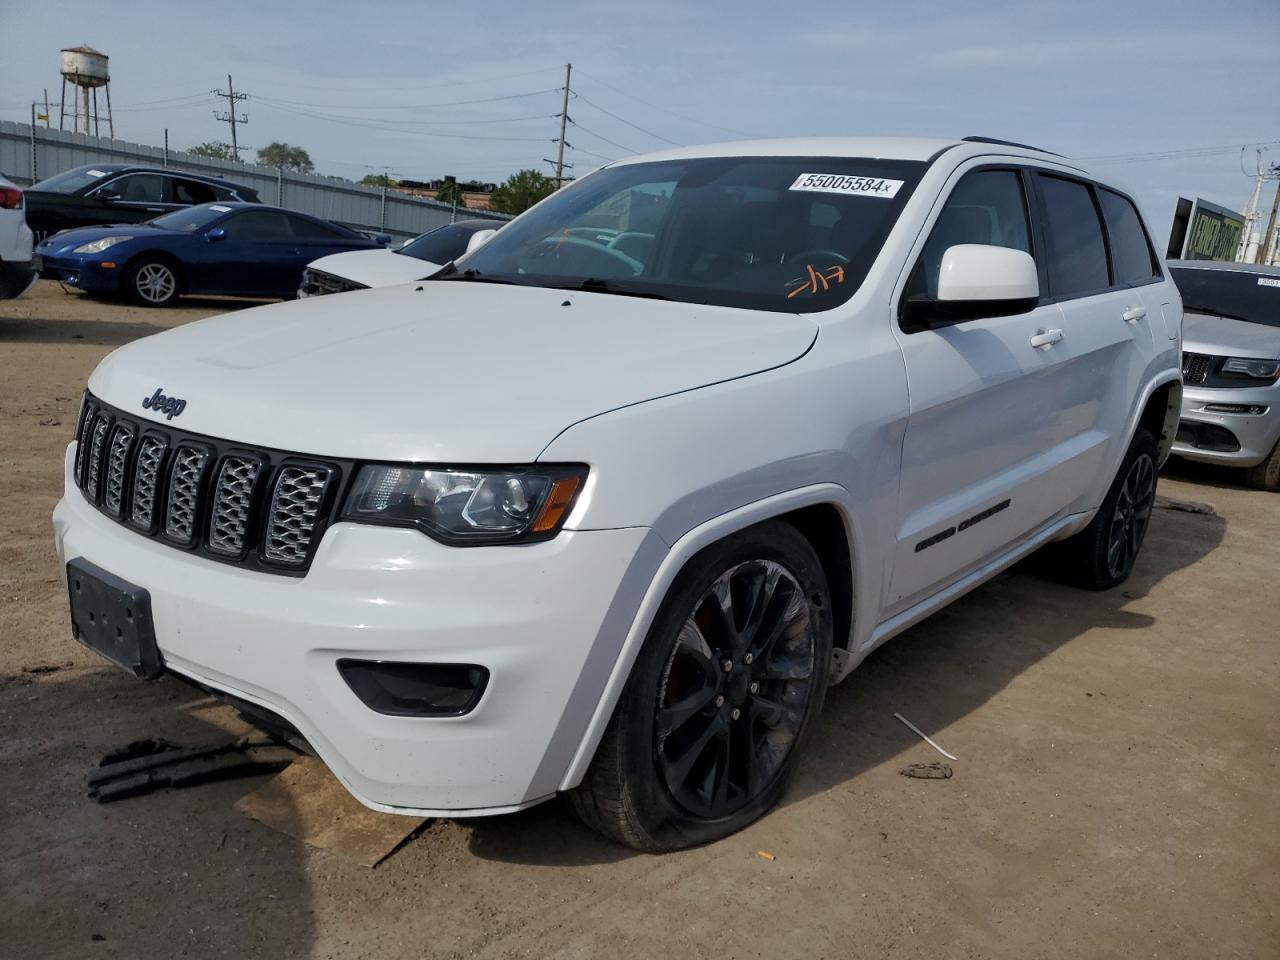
pixel 1116 793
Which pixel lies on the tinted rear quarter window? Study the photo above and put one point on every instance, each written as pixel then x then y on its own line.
pixel 1131 253
pixel 311 230
pixel 258 226
pixel 1077 252
pixel 192 192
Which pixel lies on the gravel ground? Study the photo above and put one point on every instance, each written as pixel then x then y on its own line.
pixel 1115 796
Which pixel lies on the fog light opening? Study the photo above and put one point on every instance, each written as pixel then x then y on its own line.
pixel 399 689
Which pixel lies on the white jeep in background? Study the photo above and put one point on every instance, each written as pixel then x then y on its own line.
pixel 604 507
pixel 17 271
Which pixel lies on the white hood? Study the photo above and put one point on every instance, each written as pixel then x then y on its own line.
pixel 445 371
pixel 375 268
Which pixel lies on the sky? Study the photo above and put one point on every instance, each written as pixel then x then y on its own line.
pixel 1157 96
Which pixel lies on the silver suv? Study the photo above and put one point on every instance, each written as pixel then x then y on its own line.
pixel 1231 367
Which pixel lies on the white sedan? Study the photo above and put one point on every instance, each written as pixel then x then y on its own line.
pixel 415 260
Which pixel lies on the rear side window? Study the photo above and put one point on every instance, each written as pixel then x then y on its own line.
pixel 1077 251
pixel 258 226
pixel 1130 250
pixel 987 207
pixel 192 192
pixel 310 230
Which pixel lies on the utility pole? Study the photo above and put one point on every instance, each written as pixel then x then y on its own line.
pixel 564 120
pixel 1265 248
pixel 230 117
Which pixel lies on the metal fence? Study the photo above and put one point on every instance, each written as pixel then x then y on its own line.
pixel 28 154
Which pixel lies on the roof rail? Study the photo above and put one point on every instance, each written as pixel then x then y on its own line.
pixel 1009 143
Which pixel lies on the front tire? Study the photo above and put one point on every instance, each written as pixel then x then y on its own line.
pixel 1266 475
pixel 1101 556
pixel 152 282
pixel 721 699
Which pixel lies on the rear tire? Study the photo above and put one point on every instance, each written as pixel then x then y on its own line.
pixel 152 282
pixel 721 698
pixel 1101 556
pixel 1266 475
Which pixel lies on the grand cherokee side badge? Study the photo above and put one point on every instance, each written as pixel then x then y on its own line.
pixel 169 406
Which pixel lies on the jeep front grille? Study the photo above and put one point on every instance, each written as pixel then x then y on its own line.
pixel 146 481
pixel 232 501
pixel 259 508
pixel 117 460
pixel 1196 367
pixel 294 505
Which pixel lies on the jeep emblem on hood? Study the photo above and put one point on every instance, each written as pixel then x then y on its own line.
pixel 169 406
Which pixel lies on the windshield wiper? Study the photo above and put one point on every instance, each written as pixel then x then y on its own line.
pixel 597 285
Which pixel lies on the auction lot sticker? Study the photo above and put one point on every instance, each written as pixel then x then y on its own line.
pixel 851 186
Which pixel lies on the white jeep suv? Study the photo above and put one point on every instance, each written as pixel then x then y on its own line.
pixel 605 507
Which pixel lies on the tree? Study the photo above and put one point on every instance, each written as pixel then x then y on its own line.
pixel 521 191
pixel 450 193
pixel 283 155
pixel 212 148
pixel 377 180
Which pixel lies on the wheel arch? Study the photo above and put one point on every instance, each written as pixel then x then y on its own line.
pixel 821 513
pixel 1160 415
pixel 156 254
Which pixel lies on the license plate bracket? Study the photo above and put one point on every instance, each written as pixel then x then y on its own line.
pixel 112 617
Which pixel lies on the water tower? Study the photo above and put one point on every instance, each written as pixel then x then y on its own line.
pixel 86 70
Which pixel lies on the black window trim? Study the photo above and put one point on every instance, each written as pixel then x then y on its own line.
pixel 1048 295
pixel 1034 236
pixel 1158 275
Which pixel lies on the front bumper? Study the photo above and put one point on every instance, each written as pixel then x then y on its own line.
pixel 78 272
pixel 533 615
pixel 1234 439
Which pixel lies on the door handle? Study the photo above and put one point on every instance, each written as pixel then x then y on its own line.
pixel 1046 338
pixel 1134 314
pixel 155 209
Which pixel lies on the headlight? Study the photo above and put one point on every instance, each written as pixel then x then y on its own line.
pixel 1255 369
pixel 467 506
pixel 97 246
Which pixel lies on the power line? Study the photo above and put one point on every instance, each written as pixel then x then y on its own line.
pixel 592 133
pixel 598 156
pixel 636 126
pixel 409 106
pixel 674 113
pixel 382 87
pixel 1174 153
pixel 347 121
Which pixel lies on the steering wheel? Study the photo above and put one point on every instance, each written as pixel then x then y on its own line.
pixel 817 253
pixel 603 255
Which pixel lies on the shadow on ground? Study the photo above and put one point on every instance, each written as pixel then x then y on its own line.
pixel 175 873
pixel 15 328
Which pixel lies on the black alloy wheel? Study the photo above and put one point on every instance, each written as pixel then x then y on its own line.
pixel 721 698
pixel 734 689
pixel 1132 515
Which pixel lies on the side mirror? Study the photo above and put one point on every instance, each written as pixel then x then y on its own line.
pixel 977 280
pixel 216 234
pixel 478 240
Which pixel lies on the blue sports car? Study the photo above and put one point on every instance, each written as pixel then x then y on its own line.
pixel 241 249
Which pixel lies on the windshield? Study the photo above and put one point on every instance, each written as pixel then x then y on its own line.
pixel 71 181
pixel 1239 294
pixel 190 219
pixel 788 234
pixel 442 244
